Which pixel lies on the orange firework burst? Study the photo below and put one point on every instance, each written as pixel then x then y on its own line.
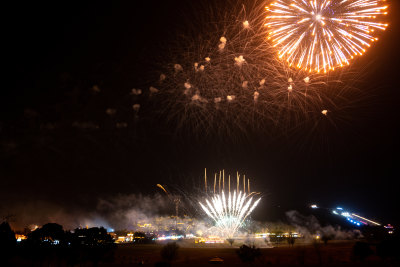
pixel 320 35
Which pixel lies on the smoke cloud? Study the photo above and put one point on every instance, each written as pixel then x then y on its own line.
pixel 118 212
pixel 309 226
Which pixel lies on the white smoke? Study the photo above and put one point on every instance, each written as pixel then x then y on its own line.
pixel 309 226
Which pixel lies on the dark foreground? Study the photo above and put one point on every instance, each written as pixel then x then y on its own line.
pixel 333 254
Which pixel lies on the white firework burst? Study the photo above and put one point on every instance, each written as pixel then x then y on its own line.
pixel 229 213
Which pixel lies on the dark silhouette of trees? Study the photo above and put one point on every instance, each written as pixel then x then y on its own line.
pixel 248 253
pixel 170 252
pixel 326 237
pixel 317 247
pixel 52 244
pixel 361 250
pixel 7 243
pixel 49 234
pixel 389 248
pixel 291 239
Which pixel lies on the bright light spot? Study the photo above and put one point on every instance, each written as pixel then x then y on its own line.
pixel 230 97
pixel 239 60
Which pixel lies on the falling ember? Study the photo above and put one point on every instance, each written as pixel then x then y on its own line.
pixel 178 68
pixel 136 91
pixel 324 112
pixel 239 60
pixel 153 90
pixel 136 107
pixel 256 95
pixel 230 97
pixel 229 210
pixel 222 43
pixel 162 77
pixel 187 85
pixel 217 99
pixel 319 35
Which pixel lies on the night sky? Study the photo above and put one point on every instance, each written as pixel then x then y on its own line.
pixel 56 52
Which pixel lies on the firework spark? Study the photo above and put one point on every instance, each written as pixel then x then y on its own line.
pixel 223 79
pixel 229 211
pixel 320 35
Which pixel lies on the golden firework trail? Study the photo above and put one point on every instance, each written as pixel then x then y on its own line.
pixel 160 186
pixel 320 35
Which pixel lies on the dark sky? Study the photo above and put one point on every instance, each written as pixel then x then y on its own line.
pixel 56 52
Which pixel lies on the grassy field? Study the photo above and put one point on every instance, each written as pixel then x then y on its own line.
pixel 333 254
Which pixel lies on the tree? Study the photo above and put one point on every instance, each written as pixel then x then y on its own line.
pixel 361 250
pixel 7 243
pixel 230 241
pixel 170 252
pixel 291 239
pixel 49 234
pixel 317 247
pixel 248 253
pixel 326 237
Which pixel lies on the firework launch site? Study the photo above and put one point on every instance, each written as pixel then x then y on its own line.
pixel 223 232
pixel 278 244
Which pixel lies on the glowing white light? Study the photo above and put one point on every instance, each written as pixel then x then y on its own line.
pixel 229 212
